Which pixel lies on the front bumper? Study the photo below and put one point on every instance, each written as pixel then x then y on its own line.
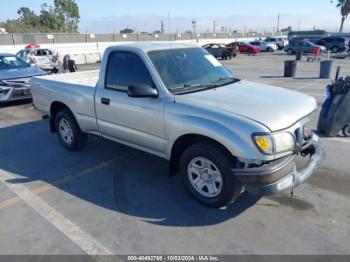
pixel 282 174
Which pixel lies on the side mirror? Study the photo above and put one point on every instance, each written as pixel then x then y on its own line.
pixel 142 90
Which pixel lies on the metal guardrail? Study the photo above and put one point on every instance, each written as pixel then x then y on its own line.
pixel 47 38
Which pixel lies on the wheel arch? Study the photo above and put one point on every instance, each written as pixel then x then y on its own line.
pixel 186 140
pixel 56 107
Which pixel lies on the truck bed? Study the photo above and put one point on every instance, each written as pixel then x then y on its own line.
pixel 86 78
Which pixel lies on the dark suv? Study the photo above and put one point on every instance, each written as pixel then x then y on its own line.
pixel 334 43
pixel 303 47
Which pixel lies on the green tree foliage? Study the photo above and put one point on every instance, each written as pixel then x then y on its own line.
pixel 60 18
pixel 344 6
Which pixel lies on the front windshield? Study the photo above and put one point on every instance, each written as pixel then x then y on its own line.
pixel 189 69
pixel 10 62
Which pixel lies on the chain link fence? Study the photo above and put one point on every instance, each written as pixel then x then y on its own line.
pixel 23 39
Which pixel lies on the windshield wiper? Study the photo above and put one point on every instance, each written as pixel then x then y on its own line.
pixel 192 88
pixel 225 81
pixel 188 88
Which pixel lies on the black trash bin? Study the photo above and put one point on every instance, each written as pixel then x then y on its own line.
pixel 335 113
pixel 326 69
pixel 290 68
pixel 299 56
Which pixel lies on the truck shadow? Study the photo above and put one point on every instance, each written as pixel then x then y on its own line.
pixel 107 175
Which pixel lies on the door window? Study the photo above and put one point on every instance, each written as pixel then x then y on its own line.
pixel 125 69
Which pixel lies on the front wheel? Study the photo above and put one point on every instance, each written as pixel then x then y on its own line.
pixel 206 172
pixel 68 131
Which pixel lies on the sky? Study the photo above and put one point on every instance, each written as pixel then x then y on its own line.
pixel 106 16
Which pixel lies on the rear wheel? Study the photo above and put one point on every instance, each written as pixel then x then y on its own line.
pixel 206 172
pixel 68 131
pixel 250 51
pixel 269 49
pixel 290 52
pixel 335 49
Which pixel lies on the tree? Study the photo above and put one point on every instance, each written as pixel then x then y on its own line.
pixel 286 30
pixel 127 31
pixel 62 17
pixel 69 11
pixel 50 21
pixel 344 6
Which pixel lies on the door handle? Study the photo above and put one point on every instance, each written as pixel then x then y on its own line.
pixel 105 101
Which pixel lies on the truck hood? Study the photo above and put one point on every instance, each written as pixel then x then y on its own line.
pixel 22 72
pixel 274 107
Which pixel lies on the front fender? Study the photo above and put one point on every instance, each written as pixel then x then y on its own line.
pixel 235 138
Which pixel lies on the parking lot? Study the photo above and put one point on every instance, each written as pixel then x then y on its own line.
pixel 110 199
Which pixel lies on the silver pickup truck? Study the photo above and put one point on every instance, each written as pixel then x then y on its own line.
pixel 178 102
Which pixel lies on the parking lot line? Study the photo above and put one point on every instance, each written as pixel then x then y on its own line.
pixel 10 202
pixel 67 179
pixel 64 225
pixel 47 187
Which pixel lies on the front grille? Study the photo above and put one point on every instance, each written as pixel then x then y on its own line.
pixel 299 136
pixel 17 84
pixel 20 93
pixel 21 88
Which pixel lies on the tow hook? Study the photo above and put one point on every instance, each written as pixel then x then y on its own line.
pixel 310 151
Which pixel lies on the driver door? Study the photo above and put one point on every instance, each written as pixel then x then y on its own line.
pixel 137 122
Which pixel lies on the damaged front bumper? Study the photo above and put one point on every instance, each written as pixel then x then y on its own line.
pixel 282 174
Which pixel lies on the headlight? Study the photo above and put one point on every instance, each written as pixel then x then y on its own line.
pixel 274 143
pixel 4 88
pixel 283 142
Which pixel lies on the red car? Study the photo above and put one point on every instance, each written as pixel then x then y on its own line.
pixel 245 48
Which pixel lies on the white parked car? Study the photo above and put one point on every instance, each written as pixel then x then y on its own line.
pixel 281 42
pixel 264 46
pixel 44 58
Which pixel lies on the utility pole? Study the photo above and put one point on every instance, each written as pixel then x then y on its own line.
pixel 162 26
pixel 214 27
pixel 194 24
pixel 298 25
pixel 278 23
pixel 169 23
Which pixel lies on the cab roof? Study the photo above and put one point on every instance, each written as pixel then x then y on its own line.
pixel 154 45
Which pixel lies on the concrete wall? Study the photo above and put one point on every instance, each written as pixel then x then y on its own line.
pixel 92 52
pixel 50 38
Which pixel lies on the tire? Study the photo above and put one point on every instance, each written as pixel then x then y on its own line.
pixel 207 159
pixel 290 52
pixel 68 131
pixel 346 130
pixel 250 51
pixel 66 58
pixel 335 49
pixel 269 49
